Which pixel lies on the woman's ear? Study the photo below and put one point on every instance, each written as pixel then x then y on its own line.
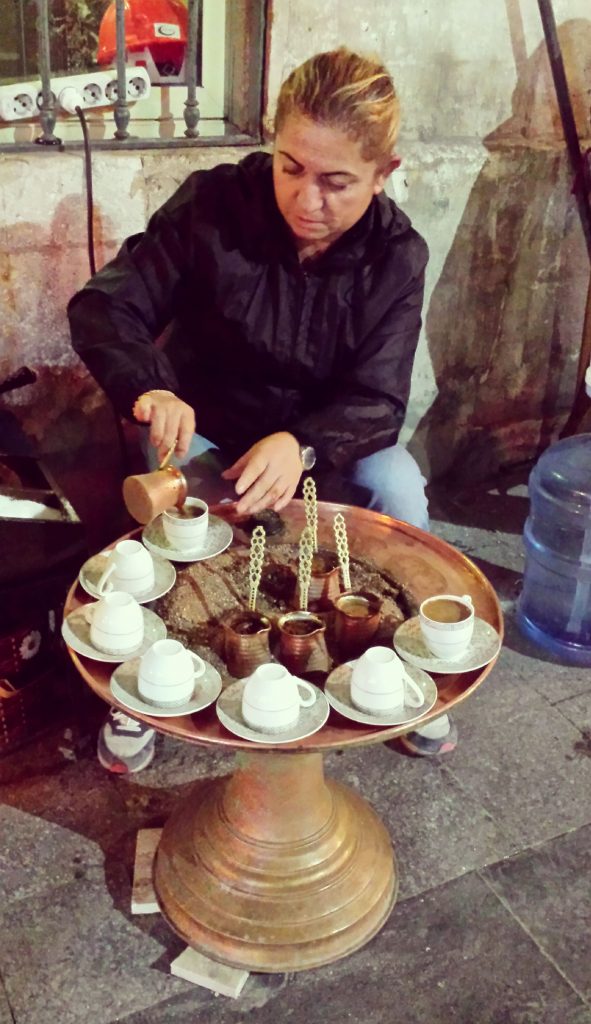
pixel 384 172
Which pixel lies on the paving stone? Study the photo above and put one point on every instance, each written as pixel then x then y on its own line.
pixel 548 891
pixel 501 549
pixel 150 795
pixel 200 1006
pixel 178 764
pixel 59 827
pixel 71 956
pixel 5 1012
pixel 578 711
pixel 438 831
pixel 548 674
pixel 46 754
pixel 501 504
pixel 516 760
pixel 35 857
pixel 433 961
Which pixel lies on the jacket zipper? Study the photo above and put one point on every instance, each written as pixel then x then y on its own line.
pixel 304 317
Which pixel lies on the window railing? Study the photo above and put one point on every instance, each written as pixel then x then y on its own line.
pixel 237 122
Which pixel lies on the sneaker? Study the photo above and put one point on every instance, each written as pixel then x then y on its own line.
pixel 124 744
pixel 425 746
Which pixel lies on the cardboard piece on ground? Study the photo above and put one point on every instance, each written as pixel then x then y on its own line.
pixel 143 897
pixel 194 967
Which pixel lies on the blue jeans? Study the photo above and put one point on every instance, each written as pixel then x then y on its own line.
pixel 388 481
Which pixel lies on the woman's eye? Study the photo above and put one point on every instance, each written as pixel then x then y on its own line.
pixel 290 170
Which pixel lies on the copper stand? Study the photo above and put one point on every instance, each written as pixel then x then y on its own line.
pixel 274 868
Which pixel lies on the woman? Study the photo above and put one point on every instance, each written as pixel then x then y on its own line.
pixel 294 289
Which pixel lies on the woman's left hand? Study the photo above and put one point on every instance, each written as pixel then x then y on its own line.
pixel 267 474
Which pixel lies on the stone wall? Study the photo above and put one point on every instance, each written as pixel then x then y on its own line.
pixel 488 187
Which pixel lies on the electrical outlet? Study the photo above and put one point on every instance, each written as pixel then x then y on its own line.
pixel 92 94
pixel 17 101
pixel 111 91
pixel 136 87
pixel 91 90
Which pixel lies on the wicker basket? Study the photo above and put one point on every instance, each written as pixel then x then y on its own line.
pixel 24 712
pixel 27 671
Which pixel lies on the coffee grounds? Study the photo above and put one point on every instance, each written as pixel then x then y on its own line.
pixel 206 592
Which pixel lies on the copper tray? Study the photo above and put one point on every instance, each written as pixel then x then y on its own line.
pixel 422 563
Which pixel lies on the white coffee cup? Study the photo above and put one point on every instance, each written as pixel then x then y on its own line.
pixel 116 623
pixel 130 567
pixel 271 699
pixel 447 624
pixel 186 530
pixel 379 682
pixel 168 672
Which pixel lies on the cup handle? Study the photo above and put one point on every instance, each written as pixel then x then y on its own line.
pixel 418 699
pixel 306 702
pixel 100 587
pixel 199 668
pixel 467 599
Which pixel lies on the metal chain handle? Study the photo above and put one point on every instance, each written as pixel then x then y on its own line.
pixel 255 564
pixel 305 566
pixel 311 508
pixel 340 536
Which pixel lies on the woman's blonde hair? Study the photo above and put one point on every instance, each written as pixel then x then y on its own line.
pixel 345 90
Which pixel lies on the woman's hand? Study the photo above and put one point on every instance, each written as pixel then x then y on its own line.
pixel 267 474
pixel 171 421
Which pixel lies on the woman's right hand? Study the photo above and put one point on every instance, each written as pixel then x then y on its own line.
pixel 170 419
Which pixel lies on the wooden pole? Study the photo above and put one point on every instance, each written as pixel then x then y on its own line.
pixel 581 166
pixel 579 421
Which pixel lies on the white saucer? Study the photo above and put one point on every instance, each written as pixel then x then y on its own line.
pixel 338 693
pixel 76 633
pixel 219 537
pixel 124 689
pixel 229 712
pixel 484 646
pixel 164 577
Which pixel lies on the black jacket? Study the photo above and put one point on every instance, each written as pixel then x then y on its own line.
pixel 260 343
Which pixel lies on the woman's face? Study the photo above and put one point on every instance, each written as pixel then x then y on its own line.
pixel 323 185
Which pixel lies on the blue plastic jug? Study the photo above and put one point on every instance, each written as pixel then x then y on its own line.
pixel 555 605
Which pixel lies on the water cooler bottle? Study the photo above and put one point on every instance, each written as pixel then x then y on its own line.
pixel 555 605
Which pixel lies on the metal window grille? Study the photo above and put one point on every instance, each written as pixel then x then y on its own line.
pixel 121 113
pixel 233 94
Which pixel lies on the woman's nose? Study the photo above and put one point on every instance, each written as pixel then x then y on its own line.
pixel 309 197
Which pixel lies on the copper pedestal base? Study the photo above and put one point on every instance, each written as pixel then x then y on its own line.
pixel 274 868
